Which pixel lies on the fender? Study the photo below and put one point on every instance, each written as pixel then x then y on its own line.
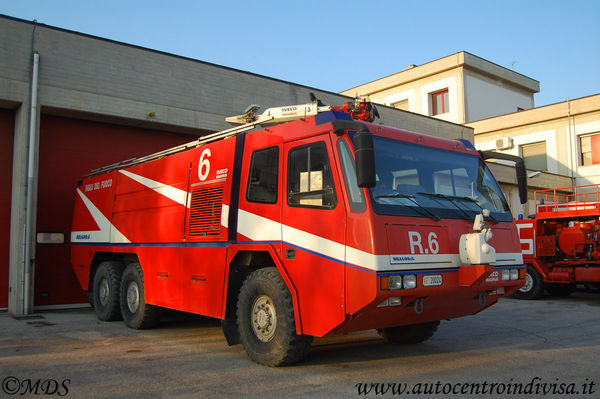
pixel 542 270
pixel 274 253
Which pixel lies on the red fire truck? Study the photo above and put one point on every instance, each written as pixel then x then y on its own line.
pixel 322 225
pixel 560 246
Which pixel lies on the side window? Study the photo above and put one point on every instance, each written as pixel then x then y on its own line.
pixel 310 182
pixel 355 193
pixel 262 181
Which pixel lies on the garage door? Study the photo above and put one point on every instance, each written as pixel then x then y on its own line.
pixel 6 149
pixel 69 149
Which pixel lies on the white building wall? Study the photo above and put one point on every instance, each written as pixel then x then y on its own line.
pixel 487 97
pixel 584 174
pixel 549 136
pixel 401 96
pixel 450 84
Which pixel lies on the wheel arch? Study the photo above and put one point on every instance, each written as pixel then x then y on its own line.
pixel 99 257
pixel 541 268
pixel 245 260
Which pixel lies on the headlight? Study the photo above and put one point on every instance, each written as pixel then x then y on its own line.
pixel 505 275
pixel 514 274
pixel 410 281
pixel 395 282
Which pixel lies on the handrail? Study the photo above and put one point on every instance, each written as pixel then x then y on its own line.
pixel 576 199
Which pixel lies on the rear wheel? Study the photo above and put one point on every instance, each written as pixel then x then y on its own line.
pixel 266 323
pixel 592 287
pixel 534 285
pixel 560 290
pixel 105 291
pixel 136 312
pixel 411 334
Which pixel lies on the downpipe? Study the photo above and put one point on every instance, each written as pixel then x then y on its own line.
pixel 29 255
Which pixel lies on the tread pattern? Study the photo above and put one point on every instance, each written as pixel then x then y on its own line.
pixel 112 270
pixel 537 288
pixel 286 347
pixel 147 316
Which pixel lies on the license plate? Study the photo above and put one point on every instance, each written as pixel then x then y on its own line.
pixel 433 280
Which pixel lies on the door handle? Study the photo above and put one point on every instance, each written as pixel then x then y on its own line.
pixel 290 253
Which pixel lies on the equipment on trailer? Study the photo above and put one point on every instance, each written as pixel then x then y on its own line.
pixel 560 245
pixel 319 223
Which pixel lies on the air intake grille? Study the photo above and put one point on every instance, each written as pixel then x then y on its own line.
pixel 205 212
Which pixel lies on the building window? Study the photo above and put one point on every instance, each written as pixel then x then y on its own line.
pixel 403 105
pixel 439 102
pixel 590 149
pixel 534 155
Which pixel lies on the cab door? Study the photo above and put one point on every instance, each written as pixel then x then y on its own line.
pixel 313 232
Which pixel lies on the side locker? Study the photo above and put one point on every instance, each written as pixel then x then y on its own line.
pixel 313 232
pixel 206 228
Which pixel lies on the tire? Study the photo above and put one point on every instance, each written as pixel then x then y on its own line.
pixel 105 294
pixel 560 290
pixel 266 323
pixel 411 334
pixel 594 288
pixel 90 297
pixel 534 285
pixel 137 314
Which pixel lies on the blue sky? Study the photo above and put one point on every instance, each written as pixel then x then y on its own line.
pixel 336 45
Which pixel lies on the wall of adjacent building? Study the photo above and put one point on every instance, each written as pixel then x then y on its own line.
pixel 486 96
pixel 476 88
pixel 560 126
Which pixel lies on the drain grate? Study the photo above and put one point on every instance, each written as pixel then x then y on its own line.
pixel 29 317
pixel 40 323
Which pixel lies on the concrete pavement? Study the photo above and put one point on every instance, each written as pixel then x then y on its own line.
pixel 550 346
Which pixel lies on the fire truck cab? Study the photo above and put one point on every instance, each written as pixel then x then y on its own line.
pixel 322 225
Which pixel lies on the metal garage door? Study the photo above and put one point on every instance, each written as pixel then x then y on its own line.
pixel 6 150
pixel 70 148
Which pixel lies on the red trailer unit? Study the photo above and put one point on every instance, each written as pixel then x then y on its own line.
pixel 560 245
pixel 322 225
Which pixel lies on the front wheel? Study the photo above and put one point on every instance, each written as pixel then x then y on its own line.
pixel 136 312
pixel 534 285
pixel 266 323
pixel 411 334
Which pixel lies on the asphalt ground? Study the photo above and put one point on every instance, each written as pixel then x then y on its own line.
pixel 516 349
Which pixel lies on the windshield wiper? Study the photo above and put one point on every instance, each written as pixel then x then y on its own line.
pixel 450 199
pixel 411 199
pixel 473 200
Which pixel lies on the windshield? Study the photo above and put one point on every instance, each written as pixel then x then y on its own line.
pixel 413 180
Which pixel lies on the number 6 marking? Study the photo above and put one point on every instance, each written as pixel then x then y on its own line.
pixel 433 244
pixel 204 165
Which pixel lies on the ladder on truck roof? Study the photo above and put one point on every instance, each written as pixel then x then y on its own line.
pixel 247 121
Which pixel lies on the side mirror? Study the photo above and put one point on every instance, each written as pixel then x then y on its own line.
pixel 365 159
pixel 364 151
pixel 521 171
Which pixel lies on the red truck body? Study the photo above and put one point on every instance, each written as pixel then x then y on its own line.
pixel 560 245
pixel 197 227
